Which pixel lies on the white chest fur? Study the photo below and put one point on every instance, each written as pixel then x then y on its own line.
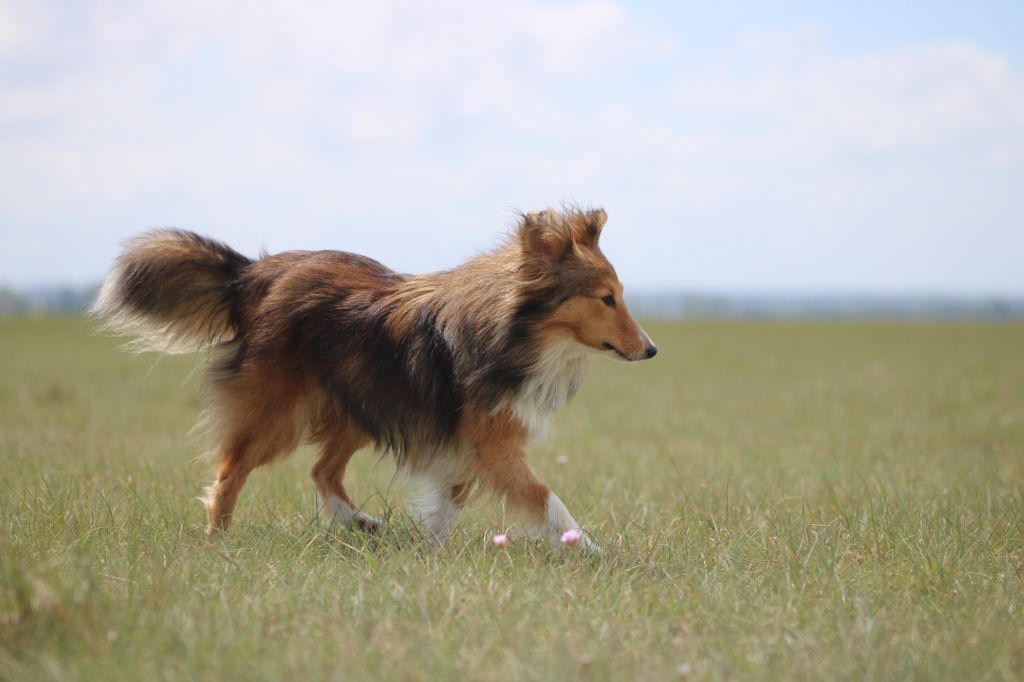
pixel 554 379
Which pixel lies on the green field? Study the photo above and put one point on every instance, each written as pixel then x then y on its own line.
pixel 776 501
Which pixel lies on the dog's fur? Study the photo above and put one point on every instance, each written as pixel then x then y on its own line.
pixel 451 372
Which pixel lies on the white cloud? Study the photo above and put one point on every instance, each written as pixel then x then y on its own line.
pixel 368 73
pixel 877 103
pixel 243 118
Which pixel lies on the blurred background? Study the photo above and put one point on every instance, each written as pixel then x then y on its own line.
pixel 755 158
pixel 791 500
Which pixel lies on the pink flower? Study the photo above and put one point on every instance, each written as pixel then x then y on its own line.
pixel 570 537
pixel 500 540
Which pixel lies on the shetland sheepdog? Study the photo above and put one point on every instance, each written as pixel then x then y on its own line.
pixel 452 373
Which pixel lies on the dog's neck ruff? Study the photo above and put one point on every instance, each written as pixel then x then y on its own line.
pixel 551 383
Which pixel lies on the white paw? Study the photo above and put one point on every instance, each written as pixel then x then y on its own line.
pixel 366 523
pixel 588 546
pixel 334 510
pixel 563 530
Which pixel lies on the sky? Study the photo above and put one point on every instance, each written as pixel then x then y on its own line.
pixel 738 147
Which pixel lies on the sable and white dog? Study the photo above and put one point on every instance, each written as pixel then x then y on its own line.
pixel 451 372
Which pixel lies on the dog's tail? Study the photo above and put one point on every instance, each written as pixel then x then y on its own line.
pixel 176 291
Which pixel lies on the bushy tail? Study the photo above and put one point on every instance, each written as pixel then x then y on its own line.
pixel 174 290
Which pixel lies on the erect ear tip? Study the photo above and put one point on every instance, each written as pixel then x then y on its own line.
pixel 545 235
pixel 541 217
pixel 592 223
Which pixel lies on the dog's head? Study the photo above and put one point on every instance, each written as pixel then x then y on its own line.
pixel 563 263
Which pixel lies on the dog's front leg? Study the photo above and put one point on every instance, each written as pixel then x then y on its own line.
pixel 503 467
pixel 558 521
pixel 438 507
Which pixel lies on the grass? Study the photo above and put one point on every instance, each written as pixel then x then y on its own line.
pixel 776 501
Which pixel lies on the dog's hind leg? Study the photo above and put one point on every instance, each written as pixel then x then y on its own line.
pixel 254 423
pixel 329 474
pixel 222 494
pixel 250 447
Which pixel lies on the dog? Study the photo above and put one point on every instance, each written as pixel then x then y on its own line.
pixel 453 372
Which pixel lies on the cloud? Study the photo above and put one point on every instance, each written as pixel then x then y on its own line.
pixel 904 99
pixel 315 124
pixel 154 80
pixel 812 128
pixel 880 171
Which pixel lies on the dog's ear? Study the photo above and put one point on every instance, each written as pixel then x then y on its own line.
pixel 586 227
pixel 546 238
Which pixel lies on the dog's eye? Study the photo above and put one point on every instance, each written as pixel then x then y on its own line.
pixel 608 300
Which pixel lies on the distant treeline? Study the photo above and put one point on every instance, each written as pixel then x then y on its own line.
pixel 667 305
pixel 46 300
pixel 699 305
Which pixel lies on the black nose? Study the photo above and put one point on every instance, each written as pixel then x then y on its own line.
pixel 652 351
